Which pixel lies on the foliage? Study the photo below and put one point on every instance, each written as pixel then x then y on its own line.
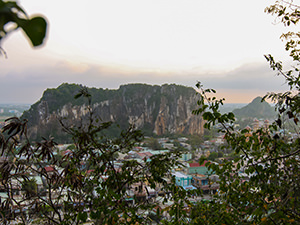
pixel 266 190
pixel 30 187
pixel 288 13
pixel 195 141
pixel 212 156
pixel 88 182
pixel 132 103
pixel 153 143
pixel 13 17
pixel 261 185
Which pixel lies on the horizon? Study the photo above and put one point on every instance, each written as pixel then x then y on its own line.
pixel 218 43
pixel 217 95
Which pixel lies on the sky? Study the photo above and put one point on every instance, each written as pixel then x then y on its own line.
pixel 104 44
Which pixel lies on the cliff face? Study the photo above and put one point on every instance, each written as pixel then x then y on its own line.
pixel 161 110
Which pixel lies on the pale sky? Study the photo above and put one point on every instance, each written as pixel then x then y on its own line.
pixel 107 43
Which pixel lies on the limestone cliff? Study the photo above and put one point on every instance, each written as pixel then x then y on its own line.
pixel 154 109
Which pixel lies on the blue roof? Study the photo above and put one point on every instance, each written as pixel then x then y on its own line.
pixel 190 187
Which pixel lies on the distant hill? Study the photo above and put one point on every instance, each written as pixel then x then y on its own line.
pixel 10 110
pixel 229 107
pixel 256 109
pixel 154 109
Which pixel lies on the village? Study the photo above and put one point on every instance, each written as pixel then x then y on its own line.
pixel 190 176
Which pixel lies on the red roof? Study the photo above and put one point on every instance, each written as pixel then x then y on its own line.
pixel 148 153
pixel 67 152
pixel 49 168
pixel 195 164
pixel 89 171
pixel 141 154
pixel 144 154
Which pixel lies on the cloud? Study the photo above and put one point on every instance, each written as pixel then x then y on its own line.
pixel 27 84
pixel 247 77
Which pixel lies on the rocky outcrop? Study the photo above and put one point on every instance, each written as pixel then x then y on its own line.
pixel 155 109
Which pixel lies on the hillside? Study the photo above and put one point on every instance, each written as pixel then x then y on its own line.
pixel 155 109
pixel 256 109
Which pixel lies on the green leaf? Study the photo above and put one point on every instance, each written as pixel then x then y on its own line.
pixel 35 29
pixel 231 116
pixel 82 216
pixel 207 116
pixel 78 95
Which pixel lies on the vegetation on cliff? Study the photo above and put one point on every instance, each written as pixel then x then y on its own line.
pixel 88 182
pixel 153 109
pixel 256 109
pixel 261 186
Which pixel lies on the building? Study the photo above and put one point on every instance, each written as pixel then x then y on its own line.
pixel 208 184
pixel 199 180
pixel 182 179
pixel 167 145
pixel 196 168
pixel 186 156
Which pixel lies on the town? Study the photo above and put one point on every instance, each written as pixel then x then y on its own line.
pixel 40 178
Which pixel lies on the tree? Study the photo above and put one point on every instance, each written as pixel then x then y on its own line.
pixel 88 182
pixel 195 141
pixel 13 14
pixel 74 192
pixel 30 188
pixel 267 192
pixel 153 143
pixel 214 155
pixel 261 185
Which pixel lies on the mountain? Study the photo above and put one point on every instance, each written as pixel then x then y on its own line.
pixel 160 110
pixel 256 109
pixel 229 107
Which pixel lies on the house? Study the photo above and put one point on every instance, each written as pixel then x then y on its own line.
pixel 186 146
pixel 49 169
pixel 208 184
pixel 182 139
pixel 199 180
pixel 167 146
pixel 143 155
pixel 182 179
pixel 196 168
pixel 141 191
pixel 186 156
pixel 68 152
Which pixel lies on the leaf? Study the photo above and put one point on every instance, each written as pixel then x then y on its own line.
pixel 231 116
pixel 78 95
pixel 35 29
pixel 207 116
pixel 82 216
pixel 296 120
pixel 290 114
pixel 279 123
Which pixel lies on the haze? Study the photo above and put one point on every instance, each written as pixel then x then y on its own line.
pixel 102 43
